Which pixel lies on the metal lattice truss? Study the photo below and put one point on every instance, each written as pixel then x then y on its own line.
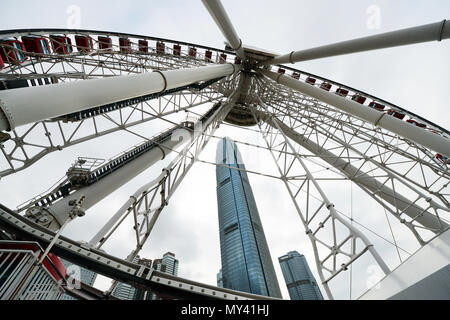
pixel 311 141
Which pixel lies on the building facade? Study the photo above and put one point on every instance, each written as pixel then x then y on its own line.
pixel 78 273
pixel 246 262
pixel 220 279
pixel 300 281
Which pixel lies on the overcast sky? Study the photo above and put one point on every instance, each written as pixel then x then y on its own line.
pixel 414 77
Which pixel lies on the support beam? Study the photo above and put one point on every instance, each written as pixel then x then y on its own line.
pixel 362 179
pixel 217 11
pixel 425 33
pixel 28 105
pixel 95 192
pixel 418 135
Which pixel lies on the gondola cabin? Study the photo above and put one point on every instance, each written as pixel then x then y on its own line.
pixel 36 44
pixel 417 124
pixel 104 43
pixel 325 86
pixel 192 52
pixel 208 55
pixel 443 159
pixel 160 47
pixel 143 46
pixel 281 70
pixel 342 92
pixel 2 65
pixel 296 75
pixel 310 81
pixel 376 106
pixel 125 45
pixel 12 51
pixel 84 43
pixel 358 98
pixel 61 44
pixel 237 60
pixel 396 114
pixel 223 58
pixel 176 50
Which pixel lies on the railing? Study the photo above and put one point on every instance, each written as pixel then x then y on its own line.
pixel 17 260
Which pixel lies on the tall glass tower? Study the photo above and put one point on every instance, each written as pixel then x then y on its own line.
pixel 246 262
pixel 300 282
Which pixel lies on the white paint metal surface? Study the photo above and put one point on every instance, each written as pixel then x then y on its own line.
pixel 427 139
pixel 220 16
pixel 430 32
pixel 426 261
pixel 32 104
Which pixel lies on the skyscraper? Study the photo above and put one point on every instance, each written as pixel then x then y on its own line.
pixel 246 262
pixel 219 279
pixel 300 282
pixel 86 276
pixel 124 291
pixel 167 264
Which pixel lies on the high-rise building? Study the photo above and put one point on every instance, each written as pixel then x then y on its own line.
pixel 246 262
pixel 220 279
pixel 124 291
pixel 300 281
pixel 168 264
pixel 78 274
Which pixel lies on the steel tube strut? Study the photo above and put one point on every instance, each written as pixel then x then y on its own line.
pixel 425 33
pixel 418 135
pixel 362 179
pixel 222 20
pixel 104 187
pixel 32 104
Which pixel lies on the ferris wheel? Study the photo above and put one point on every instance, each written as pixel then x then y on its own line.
pixel 62 88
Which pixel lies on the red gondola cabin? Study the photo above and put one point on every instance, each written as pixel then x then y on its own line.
pixel 84 43
pixel 237 60
pixel 61 44
pixel 12 51
pixel 193 52
pixel 296 75
pixel 310 80
pixel 396 114
pixel 359 99
pixel 325 86
pixel 125 45
pixel 176 50
pixel 2 65
pixel 36 44
pixel 143 46
pixel 104 43
pixel 160 47
pixel 342 92
pixel 223 58
pixel 282 71
pixel 443 159
pixel 417 124
pixel 208 55
pixel 376 106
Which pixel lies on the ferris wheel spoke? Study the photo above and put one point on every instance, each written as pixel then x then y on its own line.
pixel 425 33
pixel 63 134
pixel 218 13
